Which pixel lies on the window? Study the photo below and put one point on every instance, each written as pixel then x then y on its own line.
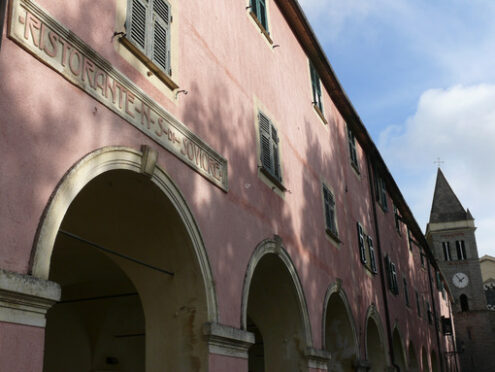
pixel 439 281
pixel 315 84
pixel 428 312
pixel 352 149
pixel 464 302
pixel 406 292
pixel 397 219
pixel 392 276
pixel 422 257
pixel 381 192
pixel 418 305
pixel 258 8
pixel 461 249
pixel 371 252
pixel 330 221
pixel 269 149
pixel 362 250
pixel 366 249
pixel 148 30
pixel 446 251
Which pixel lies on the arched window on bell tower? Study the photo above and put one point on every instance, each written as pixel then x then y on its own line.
pixel 464 303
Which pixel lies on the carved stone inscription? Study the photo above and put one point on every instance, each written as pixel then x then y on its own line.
pixel 64 52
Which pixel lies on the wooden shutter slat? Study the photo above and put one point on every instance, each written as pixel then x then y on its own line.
pixel 138 23
pixel 162 9
pixel 160 45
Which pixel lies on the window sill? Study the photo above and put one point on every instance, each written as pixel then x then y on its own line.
pixel 355 167
pixel 262 29
pixel 333 236
pixel 154 69
pixel 320 114
pixel 277 183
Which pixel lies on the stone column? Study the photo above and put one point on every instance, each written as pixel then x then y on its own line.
pixel 24 301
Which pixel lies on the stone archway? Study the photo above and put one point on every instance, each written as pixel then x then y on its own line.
pixel 424 360
pixel 339 331
pixel 127 316
pixel 434 362
pixel 375 343
pixel 399 350
pixel 413 360
pixel 274 309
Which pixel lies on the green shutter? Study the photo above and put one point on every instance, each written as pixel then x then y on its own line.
pixel 362 252
pixel 372 254
pixel 137 23
pixel 276 160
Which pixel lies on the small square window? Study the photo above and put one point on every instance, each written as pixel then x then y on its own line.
pixel 269 149
pixel 330 217
pixel 352 149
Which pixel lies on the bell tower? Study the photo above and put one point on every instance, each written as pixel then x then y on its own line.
pixel 451 236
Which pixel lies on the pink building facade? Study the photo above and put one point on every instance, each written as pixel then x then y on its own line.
pixel 188 188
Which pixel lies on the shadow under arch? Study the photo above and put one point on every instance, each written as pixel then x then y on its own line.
pixel 83 172
pixel 339 335
pixel 412 358
pixel 399 349
pixel 424 360
pixel 375 341
pixel 274 308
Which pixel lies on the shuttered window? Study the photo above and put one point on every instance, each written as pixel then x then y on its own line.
pixel 269 150
pixel 406 292
pixel 371 251
pixel 381 191
pixel 418 305
pixel 148 28
pixel 316 87
pixel 392 276
pixel 258 7
pixel 352 149
pixel 362 250
pixel 329 202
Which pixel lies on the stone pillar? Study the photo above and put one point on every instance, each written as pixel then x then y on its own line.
pixel 24 301
pixel 317 359
pixel 361 365
pixel 228 347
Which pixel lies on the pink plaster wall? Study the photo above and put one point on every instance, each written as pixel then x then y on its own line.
pixel 47 125
pixel 21 348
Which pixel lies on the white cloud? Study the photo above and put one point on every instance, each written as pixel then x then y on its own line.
pixel 458 125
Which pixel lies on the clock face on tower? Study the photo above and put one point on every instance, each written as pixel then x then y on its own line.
pixel 460 280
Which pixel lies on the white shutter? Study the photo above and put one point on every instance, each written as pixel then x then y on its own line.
pixel 137 23
pixel 161 34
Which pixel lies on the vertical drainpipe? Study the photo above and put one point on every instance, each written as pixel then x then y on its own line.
pixel 3 7
pixel 437 328
pixel 380 256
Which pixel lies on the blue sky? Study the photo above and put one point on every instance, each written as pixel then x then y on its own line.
pixel 421 74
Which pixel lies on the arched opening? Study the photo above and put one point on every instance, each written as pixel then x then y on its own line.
pixel 434 362
pixel 375 347
pixel 464 302
pixel 424 360
pixel 340 339
pixel 123 315
pixel 413 360
pixel 275 316
pixel 399 354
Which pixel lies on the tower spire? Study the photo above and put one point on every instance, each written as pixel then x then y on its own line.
pixel 446 207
